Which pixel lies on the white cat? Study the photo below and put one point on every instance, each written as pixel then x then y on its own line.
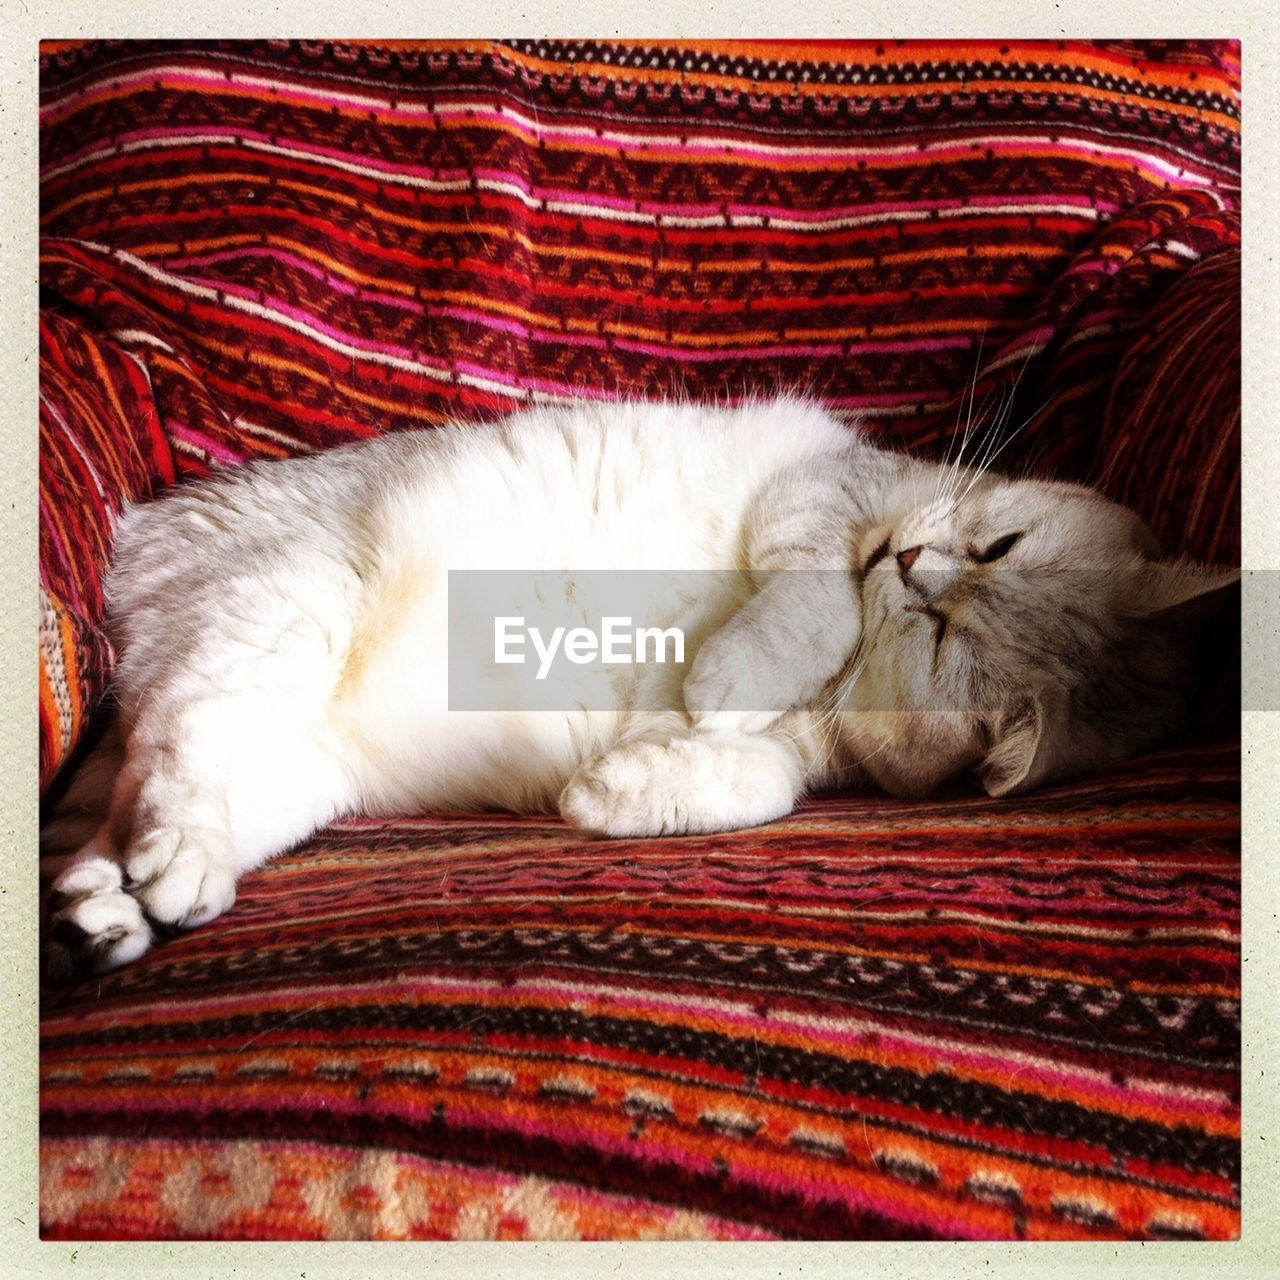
pixel 283 642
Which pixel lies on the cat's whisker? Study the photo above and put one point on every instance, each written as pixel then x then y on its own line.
pixel 990 454
pixel 879 751
pixel 824 717
pixel 989 460
pixel 988 450
pixel 952 468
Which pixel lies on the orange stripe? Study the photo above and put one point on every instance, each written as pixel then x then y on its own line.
pixel 399 288
pixel 67 636
pixel 920 1062
pixel 58 736
pixel 83 423
pixel 111 439
pixel 838 161
pixel 323 377
pixel 796 88
pixel 558 324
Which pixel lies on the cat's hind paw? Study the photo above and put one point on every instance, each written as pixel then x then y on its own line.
pixel 91 923
pixel 99 914
pixel 178 879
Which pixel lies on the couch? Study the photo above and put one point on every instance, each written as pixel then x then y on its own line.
pixel 877 1019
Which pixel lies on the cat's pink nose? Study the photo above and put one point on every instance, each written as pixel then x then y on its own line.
pixel 907 558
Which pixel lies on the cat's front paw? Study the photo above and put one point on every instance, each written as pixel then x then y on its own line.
pixel 91 924
pixel 685 786
pixel 622 794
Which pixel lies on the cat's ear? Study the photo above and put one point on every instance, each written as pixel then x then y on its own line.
pixel 1176 589
pixel 1014 759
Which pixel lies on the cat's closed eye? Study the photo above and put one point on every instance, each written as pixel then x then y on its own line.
pixel 996 550
pixel 876 556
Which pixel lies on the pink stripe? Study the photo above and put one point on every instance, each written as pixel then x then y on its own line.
pixel 820 1032
pixel 519 328
pixel 815 1188
pixel 659 209
pixel 335 282
pixel 975 1059
pixel 199 79
pixel 513 883
pixel 1096 266
pixel 309 321
pixel 180 431
pixel 69 575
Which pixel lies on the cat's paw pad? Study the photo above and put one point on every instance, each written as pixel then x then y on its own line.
pixel 179 879
pixel 91 923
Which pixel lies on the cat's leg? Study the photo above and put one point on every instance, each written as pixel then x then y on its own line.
pixel 195 805
pixel 789 639
pixel 160 859
pixel 778 651
pixel 685 785
pixel 218 774
pixel 81 881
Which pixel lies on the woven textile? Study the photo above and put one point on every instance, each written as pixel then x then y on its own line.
pixel 877 1019
pixel 967 1019
pixel 1161 380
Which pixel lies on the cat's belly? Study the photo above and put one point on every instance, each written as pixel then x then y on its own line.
pixel 426 716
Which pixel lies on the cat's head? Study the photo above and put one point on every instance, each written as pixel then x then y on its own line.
pixel 1022 632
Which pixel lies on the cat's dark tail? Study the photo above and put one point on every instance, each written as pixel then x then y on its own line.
pixel 82 809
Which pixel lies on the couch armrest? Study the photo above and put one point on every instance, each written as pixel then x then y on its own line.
pixel 100 446
pixel 1171 438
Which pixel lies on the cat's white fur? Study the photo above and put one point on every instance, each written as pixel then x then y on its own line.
pixel 283 644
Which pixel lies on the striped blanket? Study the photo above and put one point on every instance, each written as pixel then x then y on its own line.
pixel 962 1019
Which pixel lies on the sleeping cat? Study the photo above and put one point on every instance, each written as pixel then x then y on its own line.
pixel 283 642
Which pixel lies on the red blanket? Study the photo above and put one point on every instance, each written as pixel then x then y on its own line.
pixel 965 1019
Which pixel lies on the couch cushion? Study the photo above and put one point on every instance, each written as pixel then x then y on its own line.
pixel 100 446
pixel 305 243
